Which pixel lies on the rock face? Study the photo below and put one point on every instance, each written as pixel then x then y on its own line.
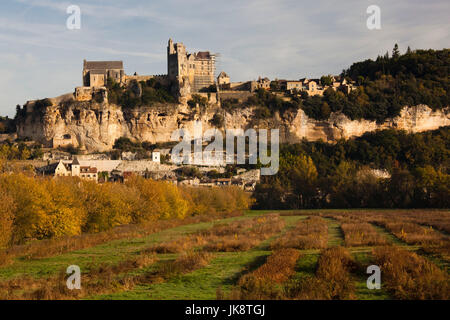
pixel 95 126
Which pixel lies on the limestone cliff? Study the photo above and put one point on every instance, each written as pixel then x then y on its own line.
pixel 95 126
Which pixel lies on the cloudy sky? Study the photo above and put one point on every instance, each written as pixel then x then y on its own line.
pixel 40 57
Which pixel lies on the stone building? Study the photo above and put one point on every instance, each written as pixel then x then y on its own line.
pixel 96 73
pixel 223 80
pixel 261 83
pixel 294 85
pixel 74 169
pixel 196 69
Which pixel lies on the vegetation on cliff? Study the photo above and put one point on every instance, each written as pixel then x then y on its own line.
pixel 137 94
pixel 19 151
pixel 389 83
pixel 318 174
pixel 385 86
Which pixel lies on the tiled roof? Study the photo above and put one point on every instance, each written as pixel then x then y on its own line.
pixel 84 169
pixel 48 169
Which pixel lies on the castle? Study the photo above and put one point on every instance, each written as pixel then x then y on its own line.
pixel 191 71
pixel 196 69
pixel 194 73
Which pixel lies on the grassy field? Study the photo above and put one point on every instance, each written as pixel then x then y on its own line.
pixel 229 258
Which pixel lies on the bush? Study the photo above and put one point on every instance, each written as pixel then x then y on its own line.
pixel 332 280
pixel 410 276
pixel 198 100
pixel 136 94
pixel 218 120
pixel 6 218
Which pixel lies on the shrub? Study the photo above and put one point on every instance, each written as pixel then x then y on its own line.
pixel 308 234
pixel 332 279
pixel 361 234
pixel 263 283
pixel 198 100
pixel 410 276
pixel 6 218
pixel 218 120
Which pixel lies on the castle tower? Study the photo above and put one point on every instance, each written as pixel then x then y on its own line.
pixel 170 47
pixel 196 69
pixel 75 167
pixel 174 57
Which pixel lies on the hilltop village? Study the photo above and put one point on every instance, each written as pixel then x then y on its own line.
pixel 194 74
pixel 191 76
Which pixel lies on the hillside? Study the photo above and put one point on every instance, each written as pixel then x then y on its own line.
pixel 409 92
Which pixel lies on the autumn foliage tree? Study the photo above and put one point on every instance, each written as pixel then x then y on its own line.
pixel 6 218
pixel 43 208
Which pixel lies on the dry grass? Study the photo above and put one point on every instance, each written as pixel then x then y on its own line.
pixel 185 263
pixel 52 247
pixel 190 261
pixel 242 235
pixel 104 278
pixel 308 234
pixel 410 276
pixel 98 280
pixel 439 220
pixel 266 281
pixel 413 233
pixel 238 235
pixel 332 280
pixel 178 245
pixel 361 234
pixel 415 227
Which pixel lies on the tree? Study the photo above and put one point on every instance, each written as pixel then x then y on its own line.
pixel 302 173
pixel 6 218
pixel 198 100
pixel 339 184
pixel 326 80
pixel 325 111
pixel 401 189
pixel 395 52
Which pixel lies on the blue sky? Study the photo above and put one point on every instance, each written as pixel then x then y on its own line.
pixel 40 57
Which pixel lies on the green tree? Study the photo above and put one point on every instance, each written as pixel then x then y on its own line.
pixel 395 52
pixel 326 80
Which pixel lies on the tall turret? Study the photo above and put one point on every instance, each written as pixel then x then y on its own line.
pixel 172 60
pixel 75 167
pixel 170 47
